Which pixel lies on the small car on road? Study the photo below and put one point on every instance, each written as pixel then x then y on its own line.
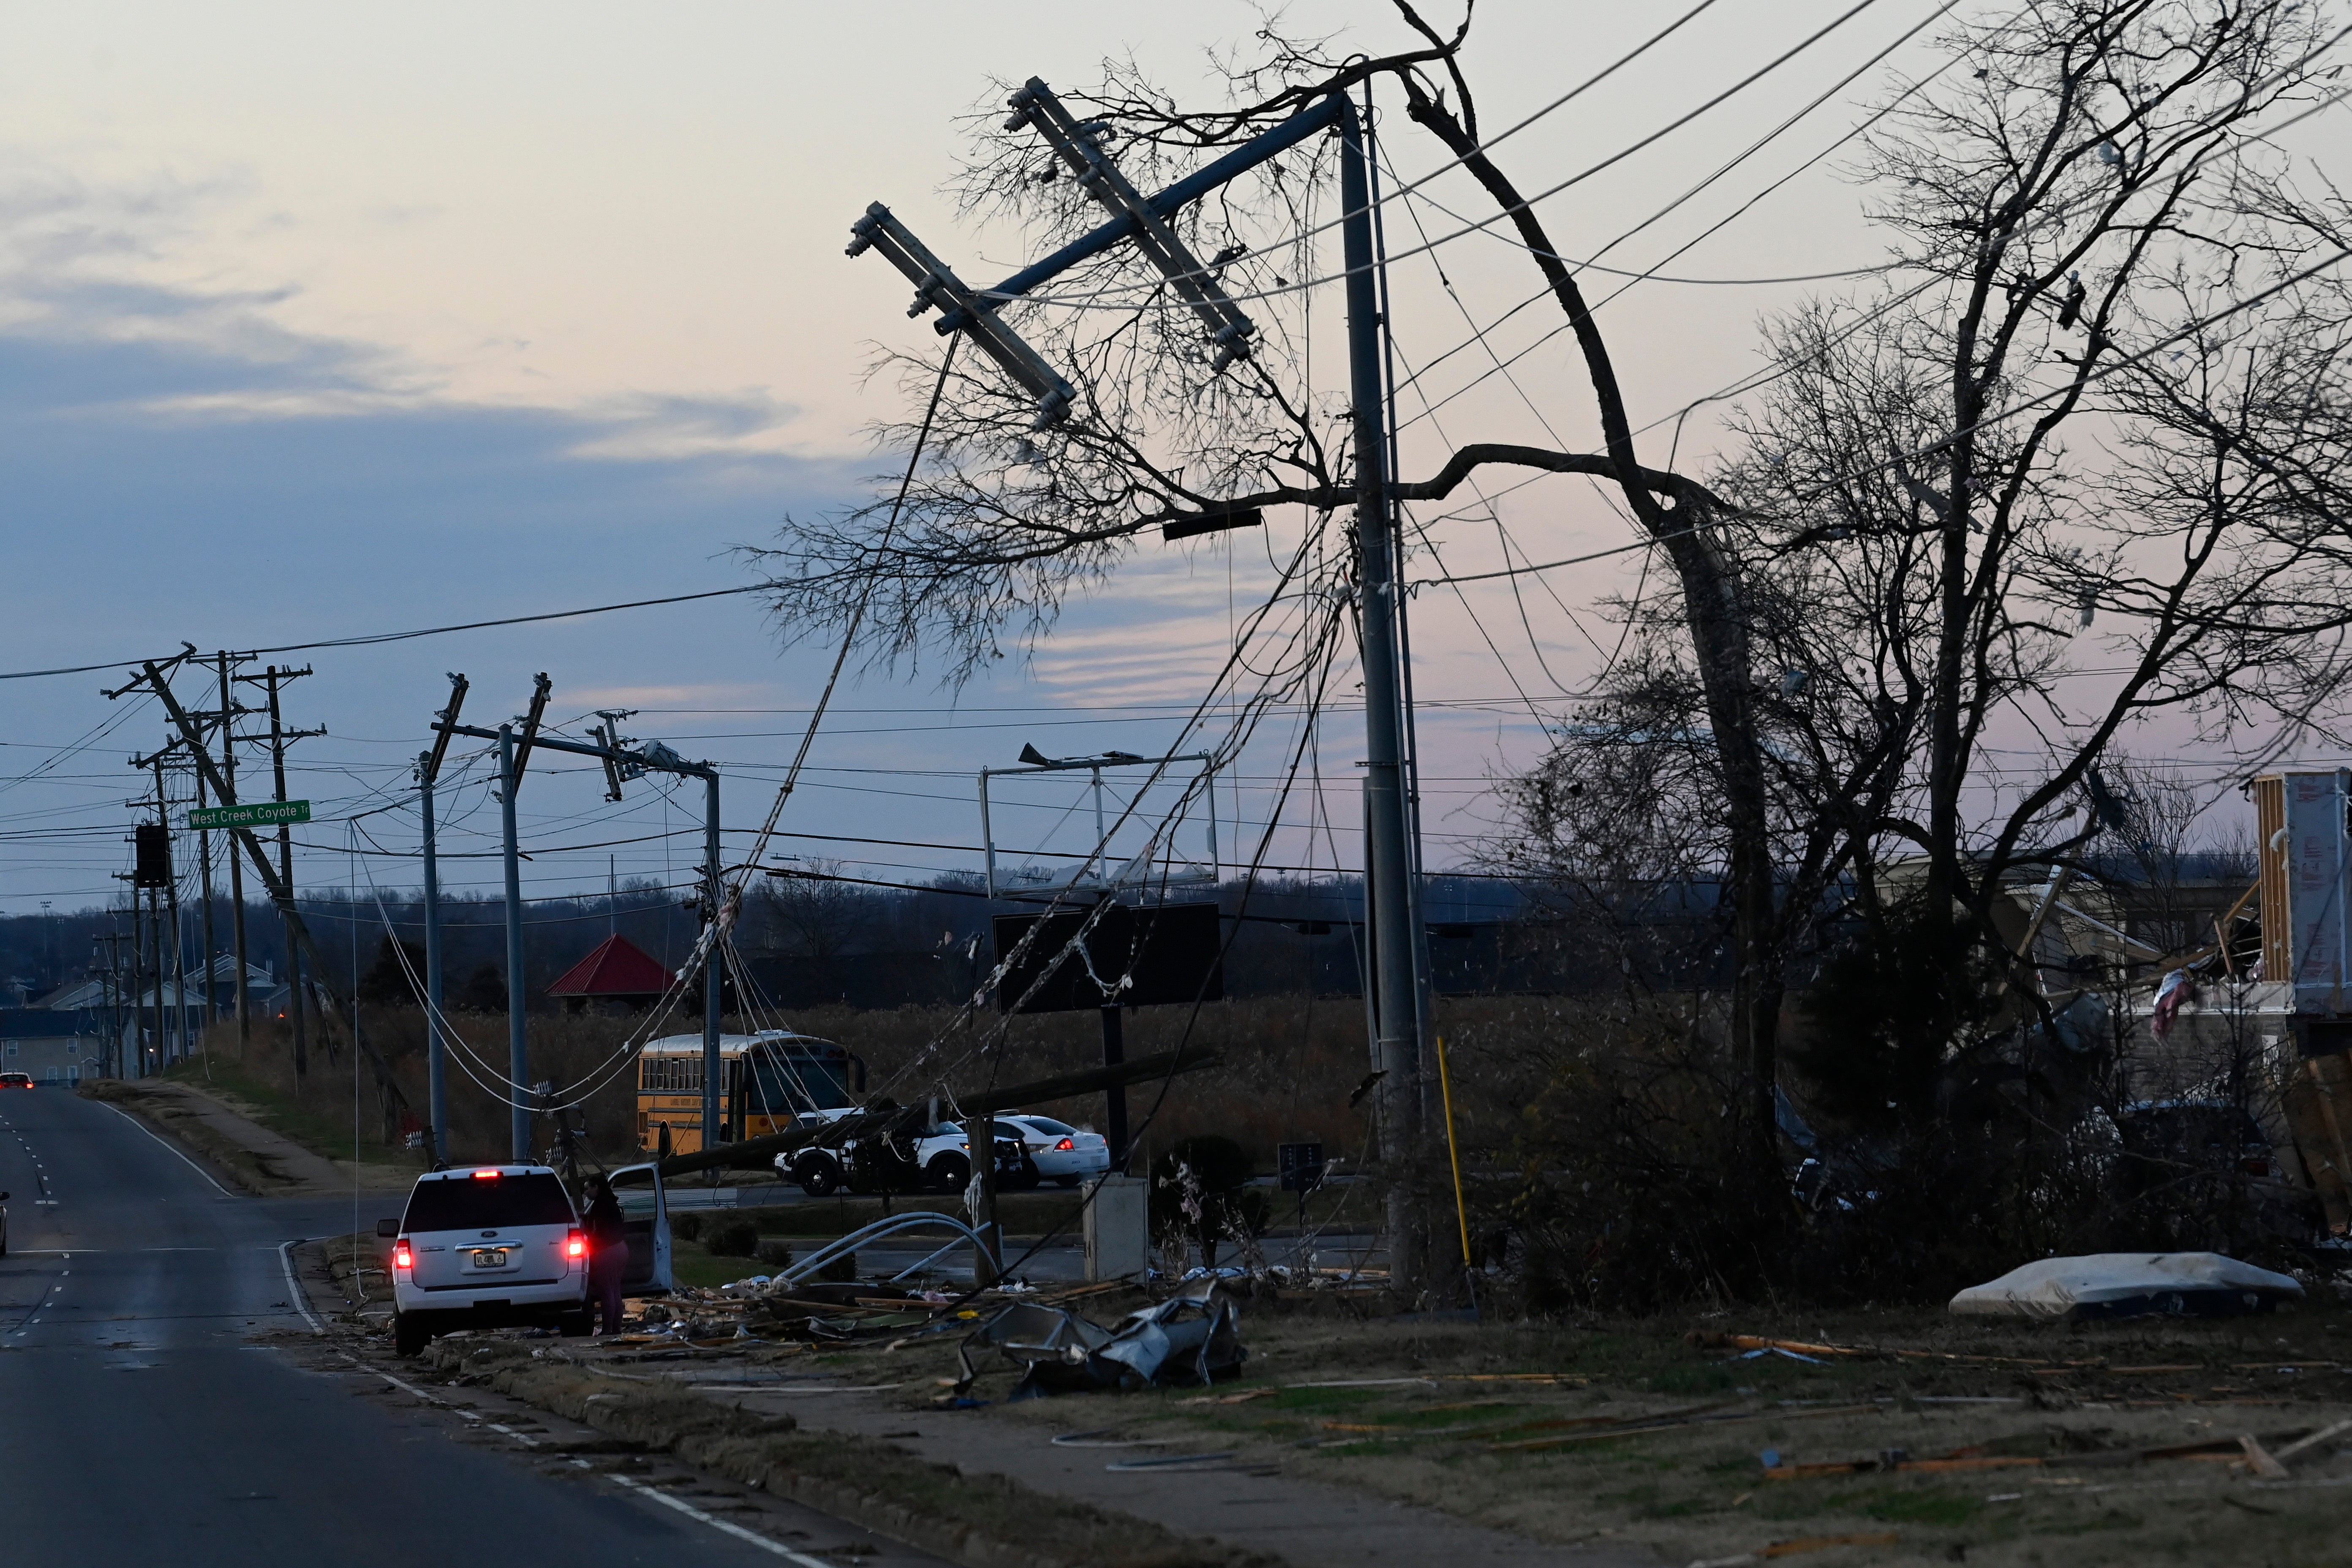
pixel 1062 1153
pixel 938 1158
pixel 16 1080
pixel 484 1247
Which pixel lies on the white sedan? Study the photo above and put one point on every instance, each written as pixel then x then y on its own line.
pixel 1062 1153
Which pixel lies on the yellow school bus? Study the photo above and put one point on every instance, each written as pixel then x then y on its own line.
pixel 771 1078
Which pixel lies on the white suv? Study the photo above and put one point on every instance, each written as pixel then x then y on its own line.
pixel 483 1246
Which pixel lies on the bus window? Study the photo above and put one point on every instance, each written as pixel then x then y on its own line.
pixel 800 1079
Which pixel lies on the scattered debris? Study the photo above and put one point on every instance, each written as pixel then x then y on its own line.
pixel 1799 1547
pixel 1752 1343
pixel 2128 1285
pixel 1193 1338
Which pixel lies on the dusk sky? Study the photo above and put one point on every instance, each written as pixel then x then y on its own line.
pixel 318 321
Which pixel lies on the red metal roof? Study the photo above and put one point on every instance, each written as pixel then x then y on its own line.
pixel 616 967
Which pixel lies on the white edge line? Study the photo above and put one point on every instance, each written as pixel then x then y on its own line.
pixel 687 1508
pixel 723 1526
pixel 174 1148
pixel 294 1285
pixel 416 1392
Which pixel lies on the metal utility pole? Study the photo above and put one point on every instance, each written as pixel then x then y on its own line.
pixel 228 712
pixel 437 1047
pixel 1394 999
pixel 518 1045
pixel 1388 843
pixel 713 971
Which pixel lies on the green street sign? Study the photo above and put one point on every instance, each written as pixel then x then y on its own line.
pixel 262 814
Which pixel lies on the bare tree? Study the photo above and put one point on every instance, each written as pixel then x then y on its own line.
pixel 812 913
pixel 1949 482
pixel 2104 386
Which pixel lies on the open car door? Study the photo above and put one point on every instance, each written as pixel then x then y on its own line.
pixel 645 1222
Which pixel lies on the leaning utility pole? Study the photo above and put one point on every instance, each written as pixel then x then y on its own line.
pixel 151 679
pixel 514 754
pixel 1397 1022
pixel 436 1048
pixel 518 1039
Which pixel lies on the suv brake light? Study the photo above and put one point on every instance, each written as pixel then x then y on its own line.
pixel 402 1257
pixel 493 1175
pixel 575 1244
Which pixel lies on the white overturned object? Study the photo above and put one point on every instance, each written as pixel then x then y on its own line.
pixel 2129 1284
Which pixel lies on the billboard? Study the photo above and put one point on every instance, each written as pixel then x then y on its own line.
pixel 1166 954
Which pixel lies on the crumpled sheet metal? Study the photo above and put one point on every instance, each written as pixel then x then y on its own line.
pixel 1190 1339
pixel 2126 1285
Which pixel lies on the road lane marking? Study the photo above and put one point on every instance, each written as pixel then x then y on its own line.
pixel 715 1522
pixel 175 1149
pixel 687 1508
pixel 416 1392
pixel 294 1285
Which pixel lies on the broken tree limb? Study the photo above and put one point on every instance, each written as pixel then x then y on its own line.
pixel 754 1153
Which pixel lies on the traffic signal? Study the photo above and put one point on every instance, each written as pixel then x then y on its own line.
pixel 152 867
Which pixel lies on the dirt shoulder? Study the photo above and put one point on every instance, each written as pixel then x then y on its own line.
pixel 1359 1436
pixel 876 1436
pixel 218 1131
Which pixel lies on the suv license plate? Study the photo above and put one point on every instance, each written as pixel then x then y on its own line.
pixel 490 1258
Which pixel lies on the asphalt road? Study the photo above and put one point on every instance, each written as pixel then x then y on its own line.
pixel 151 1413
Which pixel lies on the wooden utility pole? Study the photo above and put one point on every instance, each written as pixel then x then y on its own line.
pixel 151 678
pixel 270 680
pixel 228 712
pixel 204 866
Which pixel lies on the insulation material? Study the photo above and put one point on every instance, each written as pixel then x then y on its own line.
pixel 2307 864
pixel 2128 1285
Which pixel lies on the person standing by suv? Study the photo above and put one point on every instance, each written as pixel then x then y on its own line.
pixel 608 1251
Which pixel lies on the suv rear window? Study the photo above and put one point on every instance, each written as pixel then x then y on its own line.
pixel 477 1203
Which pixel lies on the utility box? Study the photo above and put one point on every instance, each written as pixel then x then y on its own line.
pixel 2306 873
pixel 1119 1228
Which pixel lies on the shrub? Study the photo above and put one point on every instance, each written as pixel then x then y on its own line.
pixel 732 1239
pixel 774 1253
pixel 840 1270
pixel 1200 1191
pixel 686 1227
